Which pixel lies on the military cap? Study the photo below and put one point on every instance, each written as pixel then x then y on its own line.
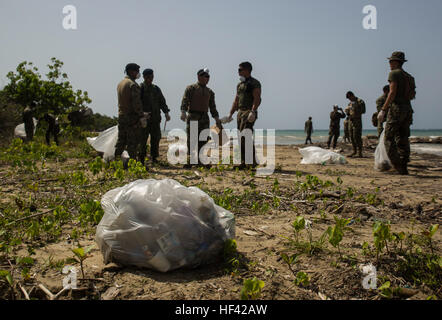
pixel 202 72
pixel 147 72
pixel 132 67
pixel 398 56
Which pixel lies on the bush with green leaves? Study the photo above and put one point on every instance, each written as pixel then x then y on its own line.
pixel 91 212
pixel 54 93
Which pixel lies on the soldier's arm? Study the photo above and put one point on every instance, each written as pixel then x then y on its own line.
pixel 137 105
pixel 163 104
pixel 391 95
pixel 234 106
pixel 212 106
pixel 256 98
pixel 186 100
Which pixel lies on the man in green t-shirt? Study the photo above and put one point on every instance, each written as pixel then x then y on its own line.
pixel 400 113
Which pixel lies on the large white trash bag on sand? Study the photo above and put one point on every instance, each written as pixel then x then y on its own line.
pixel 381 160
pixel 20 131
pixel 316 155
pixel 105 143
pixel 162 225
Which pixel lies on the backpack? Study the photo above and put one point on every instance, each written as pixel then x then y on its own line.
pixel 374 119
pixel 410 90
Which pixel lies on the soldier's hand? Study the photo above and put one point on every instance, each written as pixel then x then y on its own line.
pixel 251 117
pixel 381 116
pixel 183 116
pixel 218 122
pixel 167 117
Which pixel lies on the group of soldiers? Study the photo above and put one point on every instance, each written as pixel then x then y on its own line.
pixel 393 108
pixel 140 106
pixel 53 127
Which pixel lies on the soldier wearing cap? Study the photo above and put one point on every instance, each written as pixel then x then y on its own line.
pixel 308 129
pixel 130 112
pixel 29 121
pixel 335 127
pixel 247 101
pixel 197 100
pixel 357 108
pixel 153 103
pixel 379 104
pixel 400 113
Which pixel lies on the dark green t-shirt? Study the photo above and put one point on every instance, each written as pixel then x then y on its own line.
pixel 400 77
pixel 244 90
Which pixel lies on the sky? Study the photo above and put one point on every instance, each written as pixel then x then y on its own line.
pixel 306 53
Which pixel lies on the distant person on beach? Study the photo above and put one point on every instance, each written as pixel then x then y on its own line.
pixel 53 128
pixel 335 125
pixel 357 109
pixel 198 99
pixel 346 125
pixel 400 113
pixel 29 121
pixel 153 103
pixel 130 113
pixel 247 101
pixel 308 128
pixel 379 104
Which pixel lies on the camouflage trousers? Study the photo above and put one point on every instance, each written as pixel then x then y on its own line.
pixel 397 132
pixel 153 130
pixel 29 129
pixel 346 131
pixel 242 124
pixel 309 137
pixel 355 130
pixel 202 118
pixel 128 135
pixel 333 135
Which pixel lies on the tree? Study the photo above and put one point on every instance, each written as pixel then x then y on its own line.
pixel 53 94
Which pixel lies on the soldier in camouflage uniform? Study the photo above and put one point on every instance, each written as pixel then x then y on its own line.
pixel 130 112
pixel 379 104
pixel 346 125
pixel 400 113
pixel 335 127
pixel 357 108
pixel 198 99
pixel 247 101
pixel 308 128
pixel 29 121
pixel 153 102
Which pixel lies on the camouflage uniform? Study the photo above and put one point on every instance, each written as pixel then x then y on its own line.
pixel 355 125
pixel 29 123
pixel 399 119
pixel 153 101
pixel 308 128
pixel 244 92
pixel 197 101
pixel 379 104
pixel 53 128
pixel 335 127
pixel 347 125
pixel 130 110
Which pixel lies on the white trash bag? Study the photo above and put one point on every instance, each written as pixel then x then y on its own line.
pixel 162 225
pixel 381 160
pixel 105 143
pixel 316 155
pixel 20 131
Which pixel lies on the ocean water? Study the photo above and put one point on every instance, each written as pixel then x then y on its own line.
pixel 290 137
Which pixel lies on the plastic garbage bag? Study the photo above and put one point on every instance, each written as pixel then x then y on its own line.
pixel 20 131
pixel 316 155
pixel 105 143
pixel 162 225
pixel 381 160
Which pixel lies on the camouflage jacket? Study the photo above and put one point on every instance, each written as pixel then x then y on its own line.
pixel 153 101
pixel 244 92
pixel 129 98
pixel 188 102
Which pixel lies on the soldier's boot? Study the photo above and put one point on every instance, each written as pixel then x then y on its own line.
pixel 360 154
pixel 354 153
